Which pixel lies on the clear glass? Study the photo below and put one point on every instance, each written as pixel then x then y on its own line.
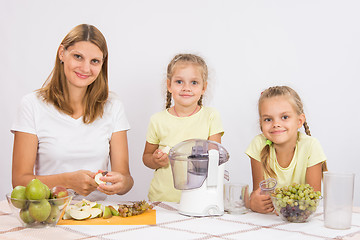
pixel 338 199
pixel 189 162
pixel 236 197
pixel 21 210
pixel 268 186
pixel 293 212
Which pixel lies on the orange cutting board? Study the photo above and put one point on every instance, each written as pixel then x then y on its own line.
pixel 146 218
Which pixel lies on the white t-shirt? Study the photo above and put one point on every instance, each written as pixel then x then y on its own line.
pixel 66 144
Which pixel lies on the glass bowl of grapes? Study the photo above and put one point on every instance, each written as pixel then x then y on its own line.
pixel 296 203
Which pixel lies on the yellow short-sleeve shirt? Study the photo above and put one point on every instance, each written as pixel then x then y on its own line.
pixel 168 130
pixel 308 152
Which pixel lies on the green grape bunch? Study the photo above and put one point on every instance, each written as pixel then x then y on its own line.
pixel 296 202
pixel 136 208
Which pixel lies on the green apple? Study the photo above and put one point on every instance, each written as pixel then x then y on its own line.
pixel 40 210
pixel 25 216
pixel 54 214
pixel 18 193
pixel 35 190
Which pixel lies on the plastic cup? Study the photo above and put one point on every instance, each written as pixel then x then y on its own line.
pixel 267 186
pixel 236 198
pixel 338 199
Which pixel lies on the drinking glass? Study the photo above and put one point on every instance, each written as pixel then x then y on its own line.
pixel 236 197
pixel 338 199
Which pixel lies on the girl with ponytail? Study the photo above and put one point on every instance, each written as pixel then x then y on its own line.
pixel 282 151
pixel 184 118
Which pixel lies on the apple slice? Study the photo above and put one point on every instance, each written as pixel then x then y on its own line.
pixel 114 210
pixel 95 212
pixel 66 215
pixel 98 175
pixel 107 212
pixel 79 215
pixel 92 204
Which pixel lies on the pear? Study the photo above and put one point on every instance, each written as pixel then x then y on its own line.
pixel 40 210
pixel 35 190
pixel 48 192
pixel 114 211
pixel 107 212
pixel 18 193
pixel 25 216
pixel 54 214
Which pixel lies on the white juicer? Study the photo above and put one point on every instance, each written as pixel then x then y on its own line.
pixel 198 170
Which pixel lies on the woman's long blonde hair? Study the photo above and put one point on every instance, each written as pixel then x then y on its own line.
pixel 295 100
pixel 55 89
pixel 185 58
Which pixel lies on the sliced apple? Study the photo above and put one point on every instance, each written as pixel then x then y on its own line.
pixel 95 212
pixel 92 204
pixel 107 212
pixel 67 216
pixel 81 203
pixel 97 177
pixel 79 215
pixel 114 210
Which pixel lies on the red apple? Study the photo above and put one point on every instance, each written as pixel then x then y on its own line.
pixel 59 192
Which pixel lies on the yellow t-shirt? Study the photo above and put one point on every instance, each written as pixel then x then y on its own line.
pixel 168 130
pixel 308 152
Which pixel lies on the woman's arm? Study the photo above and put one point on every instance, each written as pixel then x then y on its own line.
pixel 313 176
pixel 24 156
pixel 119 177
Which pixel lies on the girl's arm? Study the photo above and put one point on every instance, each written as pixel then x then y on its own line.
pixel 119 177
pixel 153 157
pixel 259 203
pixel 24 156
pixel 257 174
pixel 215 138
pixel 314 175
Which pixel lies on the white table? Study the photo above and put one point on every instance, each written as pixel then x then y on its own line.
pixel 171 225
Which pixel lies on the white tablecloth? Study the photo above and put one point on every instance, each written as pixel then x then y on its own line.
pixel 171 225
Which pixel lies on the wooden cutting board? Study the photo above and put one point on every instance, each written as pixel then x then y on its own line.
pixel 146 218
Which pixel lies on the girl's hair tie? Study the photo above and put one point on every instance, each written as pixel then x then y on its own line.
pixel 268 142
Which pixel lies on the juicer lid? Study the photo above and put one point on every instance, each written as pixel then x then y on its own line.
pixel 197 150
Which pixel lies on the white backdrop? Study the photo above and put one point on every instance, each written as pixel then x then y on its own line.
pixel 310 45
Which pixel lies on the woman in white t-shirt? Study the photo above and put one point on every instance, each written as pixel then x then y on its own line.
pixel 72 127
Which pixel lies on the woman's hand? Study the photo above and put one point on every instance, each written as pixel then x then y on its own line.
pixel 82 182
pixel 118 183
pixel 260 203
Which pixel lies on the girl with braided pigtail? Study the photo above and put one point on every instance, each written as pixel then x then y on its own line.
pixel 185 118
pixel 282 151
